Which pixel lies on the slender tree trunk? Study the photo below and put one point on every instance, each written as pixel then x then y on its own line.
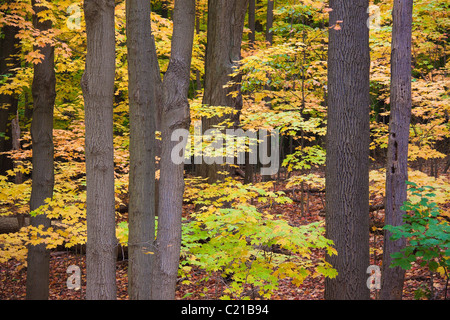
pixel 269 40
pixel 158 92
pixel 44 94
pixel 175 115
pixel 249 168
pixel 251 21
pixel 347 164
pixel 8 103
pixel 15 128
pixel 18 179
pixel 141 213
pixel 223 51
pixel 399 123
pixel 248 177
pixel 258 25
pixel 165 9
pixel 198 80
pixel 269 22
pixel 98 91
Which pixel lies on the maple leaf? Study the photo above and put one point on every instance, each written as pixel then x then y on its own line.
pixel 34 57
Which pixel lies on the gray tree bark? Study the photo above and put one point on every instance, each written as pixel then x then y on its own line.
pixel 98 91
pixel 175 115
pixel 347 164
pixel 141 211
pixel 399 123
pixel 44 94
pixel 223 52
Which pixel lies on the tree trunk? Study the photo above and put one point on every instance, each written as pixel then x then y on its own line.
pixel 175 116
pixel 8 103
pixel 248 178
pixel 269 40
pixel 98 91
pixel 223 51
pixel 399 123
pixel 198 80
pixel 269 22
pixel 251 22
pixel 347 164
pixel 165 9
pixel 44 94
pixel 258 25
pixel 15 137
pixel 141 213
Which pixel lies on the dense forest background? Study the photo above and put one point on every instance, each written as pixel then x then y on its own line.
pixel 243 235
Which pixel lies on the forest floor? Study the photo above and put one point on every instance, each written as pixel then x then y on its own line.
pixel 418 279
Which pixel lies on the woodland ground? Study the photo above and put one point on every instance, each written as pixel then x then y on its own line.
pixel 13 281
